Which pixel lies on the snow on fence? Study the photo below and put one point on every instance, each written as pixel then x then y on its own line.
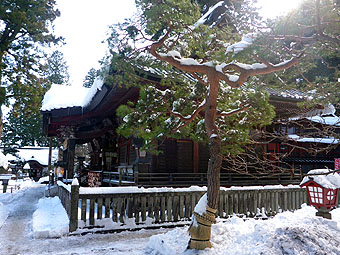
pixel 171 205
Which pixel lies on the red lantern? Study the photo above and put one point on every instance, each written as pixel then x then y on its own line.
pixel 320 196
pixel 322 189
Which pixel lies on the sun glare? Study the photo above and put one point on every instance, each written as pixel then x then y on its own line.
pixel 273 8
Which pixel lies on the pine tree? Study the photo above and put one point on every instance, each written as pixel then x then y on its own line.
pixel 57 68
pixel 314 27
pixel 24 30
pixel 89 78
pixel 207 71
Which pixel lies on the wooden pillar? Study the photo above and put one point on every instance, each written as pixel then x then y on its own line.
pixel 50 154
pixel 195 156
pixel 74 208
pixel 51 175
pixel 71 146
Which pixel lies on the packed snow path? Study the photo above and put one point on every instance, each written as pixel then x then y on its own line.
pixel 16 235
pixel 17 228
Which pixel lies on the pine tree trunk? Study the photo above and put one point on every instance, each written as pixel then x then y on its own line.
pixel 200 229
pixel 213 174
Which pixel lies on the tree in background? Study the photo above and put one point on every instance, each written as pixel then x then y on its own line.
pixel 57 68
pixel 314 27
pixel 22 126
pixel 90 77
pixel 24 30
pixel 208 68
pixel 21 131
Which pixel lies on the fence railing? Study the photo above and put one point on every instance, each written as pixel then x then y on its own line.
pixel 122 178
pixel 171 206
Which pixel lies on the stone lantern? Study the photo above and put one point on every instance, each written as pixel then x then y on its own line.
pixel 322 189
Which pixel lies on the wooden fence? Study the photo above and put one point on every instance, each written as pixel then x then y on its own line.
pixel 122 178
pixel 167 207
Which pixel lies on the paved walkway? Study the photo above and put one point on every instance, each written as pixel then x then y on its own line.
pixel 17 228
pixel 16 236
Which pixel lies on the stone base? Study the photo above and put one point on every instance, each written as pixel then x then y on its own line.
pixel 324 213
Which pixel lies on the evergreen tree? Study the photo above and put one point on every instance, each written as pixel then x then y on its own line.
pixel 208 69
pixel 314 28
pixel 57 69
pixel 90 77
pixel 19 131
pixel 22 127
pixel 24 29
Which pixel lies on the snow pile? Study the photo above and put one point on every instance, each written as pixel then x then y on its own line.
pixel 326 178
pixel 299 232
pixel 44 179
pixel 29 184
pixel 201 206
pixel 3 161
pixel 50 219
pixel 3 214
pixel 60 96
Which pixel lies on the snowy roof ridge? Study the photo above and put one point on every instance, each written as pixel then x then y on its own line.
pixel 301 139
pixel 61 96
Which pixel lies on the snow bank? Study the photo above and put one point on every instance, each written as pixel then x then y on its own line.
pixel 299 232
pixel 44 179
pixel 328 181
pixel 50 219
pixel 3 214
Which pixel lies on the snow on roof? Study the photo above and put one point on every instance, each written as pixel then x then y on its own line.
pixel 61 96
pixel 328 181
pixel 328 120
pixel 204 18
pixel 329 140
pixel 39 154
pixel 3 161
pixel 319 114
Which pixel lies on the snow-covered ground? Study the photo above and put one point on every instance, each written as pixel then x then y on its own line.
pixel 32 224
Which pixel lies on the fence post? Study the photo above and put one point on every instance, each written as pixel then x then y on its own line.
pixel 74 208
pixel 120 176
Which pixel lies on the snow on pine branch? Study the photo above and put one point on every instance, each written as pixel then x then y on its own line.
pixel 246 41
